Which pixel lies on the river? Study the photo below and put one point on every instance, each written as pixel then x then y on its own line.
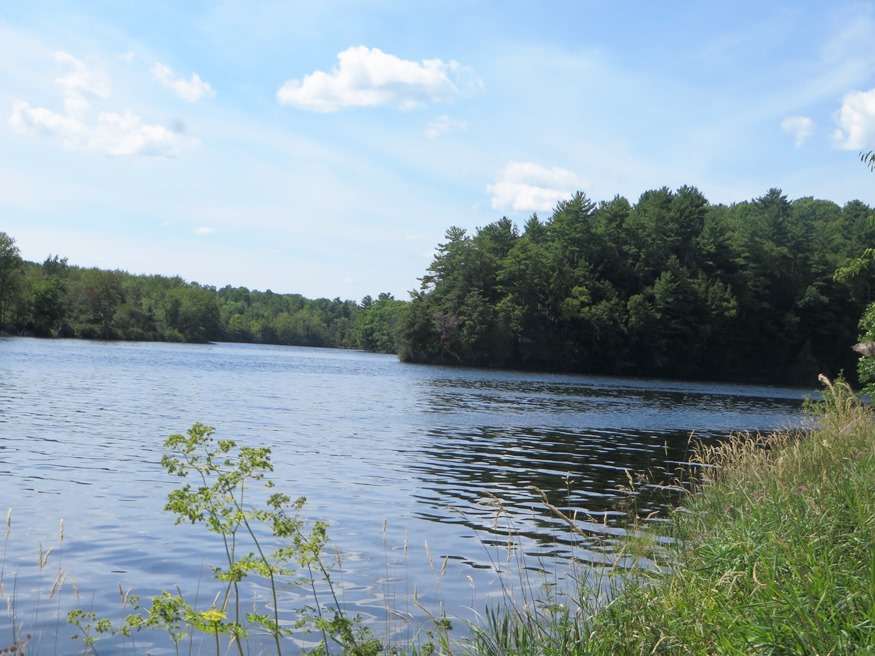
pixel 405 463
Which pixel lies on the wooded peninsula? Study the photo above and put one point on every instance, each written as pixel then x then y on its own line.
pixel 670 286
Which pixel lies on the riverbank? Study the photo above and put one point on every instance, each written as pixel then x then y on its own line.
pixel 775 553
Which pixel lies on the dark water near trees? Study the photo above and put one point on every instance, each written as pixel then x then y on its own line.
pixel 393 456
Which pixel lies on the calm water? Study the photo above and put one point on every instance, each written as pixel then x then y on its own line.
pixel 393 456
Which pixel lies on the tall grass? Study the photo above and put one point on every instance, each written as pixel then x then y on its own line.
pixel 773 553
pixel 44 592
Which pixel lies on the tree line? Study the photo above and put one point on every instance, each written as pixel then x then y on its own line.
pixel 670 286
pixel 57 299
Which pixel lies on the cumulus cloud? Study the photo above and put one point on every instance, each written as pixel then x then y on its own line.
pixel 801 127
pixel 369 77
pixel 189 90
pixel 82 126
pixel 526 186
pixel 444 125
pixel 856 120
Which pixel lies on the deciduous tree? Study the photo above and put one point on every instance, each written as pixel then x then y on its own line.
pixel 11 271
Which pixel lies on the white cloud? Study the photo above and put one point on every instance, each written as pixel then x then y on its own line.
pixel 444 125
pixel 856 120
pixel 45 121
pixel 801 127
pixel 526 186
pixel 188 90
pixel 84 127
pixel 80 85
pixel 369 77
pixel 203 231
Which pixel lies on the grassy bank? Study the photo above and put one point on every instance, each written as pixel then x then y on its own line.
pixel 774 554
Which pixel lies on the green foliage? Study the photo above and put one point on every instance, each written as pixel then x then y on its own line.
pixel 11 270
pixel 56 299
pixel 378 325
pixel 89 627
pixel 47 305
pixel 262 535
pixel 671 286
pixel 858 270
pixel 775 555
pixel 192 312
pixel 866 364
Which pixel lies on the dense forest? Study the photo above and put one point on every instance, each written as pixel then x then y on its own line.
pixel 670 286
pixel 56 299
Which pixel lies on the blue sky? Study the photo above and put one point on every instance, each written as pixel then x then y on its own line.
pixel 325 147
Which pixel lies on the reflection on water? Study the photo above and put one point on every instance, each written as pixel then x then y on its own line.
pixel 394 456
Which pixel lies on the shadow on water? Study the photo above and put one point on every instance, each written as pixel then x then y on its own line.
pixel 465 476
pixel 584 445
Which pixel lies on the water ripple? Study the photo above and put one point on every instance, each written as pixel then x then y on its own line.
pixel 414 467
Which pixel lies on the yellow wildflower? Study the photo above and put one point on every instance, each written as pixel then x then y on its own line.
pixel 212 615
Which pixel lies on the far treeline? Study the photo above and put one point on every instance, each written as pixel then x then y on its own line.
pixel 671 286
pixel 57 299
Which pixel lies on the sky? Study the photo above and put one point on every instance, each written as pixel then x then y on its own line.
pixel 324 148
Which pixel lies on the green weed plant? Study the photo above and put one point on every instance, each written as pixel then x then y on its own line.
pixel 268 540
pixel 263 536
